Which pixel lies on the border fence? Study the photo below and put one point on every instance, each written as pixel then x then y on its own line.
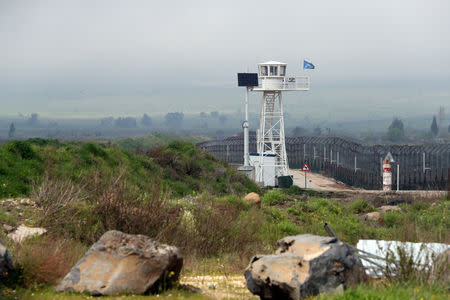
pixel 421 167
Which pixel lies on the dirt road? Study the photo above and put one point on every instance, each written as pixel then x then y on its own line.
pixel 317 182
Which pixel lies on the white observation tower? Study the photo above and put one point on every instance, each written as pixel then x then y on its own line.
pixel 270 161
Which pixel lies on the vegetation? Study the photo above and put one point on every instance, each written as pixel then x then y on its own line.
pixel 179 195
pixel 396 132
pixel 178 169
pixel 147 143
pixel 388 291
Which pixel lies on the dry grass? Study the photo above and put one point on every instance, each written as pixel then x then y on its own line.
pixel 45 260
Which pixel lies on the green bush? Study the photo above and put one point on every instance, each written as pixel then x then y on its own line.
pixel 22 149
pixel 393 218
pixel 361 206
pixel 288 228
pixel 273 197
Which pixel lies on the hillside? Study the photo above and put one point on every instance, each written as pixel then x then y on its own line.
pixel 182 196
pixel 157 139
pixel 178 168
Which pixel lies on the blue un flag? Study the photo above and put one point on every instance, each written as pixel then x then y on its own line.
pixel 307 65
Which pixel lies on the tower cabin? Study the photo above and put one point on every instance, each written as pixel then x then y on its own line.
pixel 272 77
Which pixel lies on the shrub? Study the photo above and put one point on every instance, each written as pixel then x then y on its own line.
pixel 393 218
pixel 45 260
pixel 273 197
pixel 22 149
pixel 361 206
pixel 223 225
pixel 288 228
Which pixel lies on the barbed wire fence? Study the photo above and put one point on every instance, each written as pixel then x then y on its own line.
pixel 421 167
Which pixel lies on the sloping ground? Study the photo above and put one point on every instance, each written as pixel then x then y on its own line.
pixel 317 182
pixel 178 168
pixel 156 139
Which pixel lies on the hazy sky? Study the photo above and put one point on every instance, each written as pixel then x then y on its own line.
pixel 125 57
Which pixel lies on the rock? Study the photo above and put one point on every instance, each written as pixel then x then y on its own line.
pixel 304 265
pixel 22 232
pixel 6 264
pixel 386 208
pixel 26 202
pixel 372 216
pixel 188 198
pixel 124 263
pixel 8 228
pixel 253 199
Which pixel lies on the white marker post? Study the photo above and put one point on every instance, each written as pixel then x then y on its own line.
pixel 305 180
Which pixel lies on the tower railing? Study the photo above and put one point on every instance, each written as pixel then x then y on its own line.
pixel 293 83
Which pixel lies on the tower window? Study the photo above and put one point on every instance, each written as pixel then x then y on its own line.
pixel 263 70
pixel 273 70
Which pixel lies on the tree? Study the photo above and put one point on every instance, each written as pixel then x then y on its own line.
pixel 223 119
pixel 127 122
pixel 107 122
pixel 298 131
pixel 396 131
pixel 317 131
pixel 397 123
pixel 12 130
pixel 146 120
pixel 394 135
pixel 434 128
pixel 33 119
pixel 174 120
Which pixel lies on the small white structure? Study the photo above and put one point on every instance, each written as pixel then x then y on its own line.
pixel 421 253
pixel 266 176
pixel 272 161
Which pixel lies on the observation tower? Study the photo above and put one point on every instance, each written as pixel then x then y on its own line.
pixel 270 161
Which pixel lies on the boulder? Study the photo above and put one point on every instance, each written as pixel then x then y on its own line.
pixel 124 263
pixel 303 266
pixel 8 228
pixel 372 216
pixel 386 208
pixel 22 232
pixel 253 199
pixel 6 264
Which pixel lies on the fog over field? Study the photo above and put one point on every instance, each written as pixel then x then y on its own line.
pixel 83 59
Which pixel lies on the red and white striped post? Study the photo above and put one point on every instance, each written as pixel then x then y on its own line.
pixel 387 175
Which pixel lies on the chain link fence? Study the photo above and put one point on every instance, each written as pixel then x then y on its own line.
pixel 421 167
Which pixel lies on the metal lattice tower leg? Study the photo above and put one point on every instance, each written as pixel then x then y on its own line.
pixel 271 138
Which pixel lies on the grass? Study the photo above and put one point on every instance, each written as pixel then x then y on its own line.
pixel 179 167
pixel 85 189
pixel 154 140
pixel 48 293
pixel 387 291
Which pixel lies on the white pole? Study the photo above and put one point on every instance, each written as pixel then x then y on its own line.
pixel 305 179
pixel 246 163
pixel 304 151
pixel 398 176
pixel 423 156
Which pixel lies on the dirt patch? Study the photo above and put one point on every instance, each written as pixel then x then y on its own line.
pixel 220 287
